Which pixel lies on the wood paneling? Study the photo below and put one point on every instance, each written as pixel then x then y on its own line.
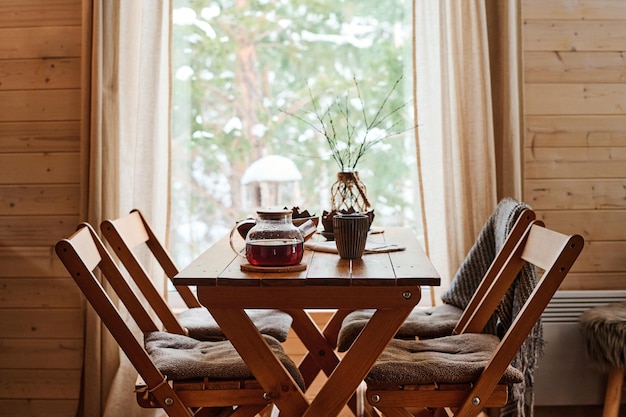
pixel 600 256
pixel 25 13
pixel 601 225
pixel 591 281
pixel 559 35
pixel 34 199
pixel 40 136
pixel 574 10
pixel 41 384
pixel 38 408
pixel 574 67
pixel 31 261
pixel 38 293
pixel 609 163
pixel 35 230
pixel 27 74
pixel 39 168
pixel 41 94
pixel 44 354
pixel 567 99
pixel 53 323
pixel 578 194
pixel 40 42
pixel 575 129
pixel 39 105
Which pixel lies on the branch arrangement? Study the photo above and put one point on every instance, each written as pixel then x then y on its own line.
pixel 349 143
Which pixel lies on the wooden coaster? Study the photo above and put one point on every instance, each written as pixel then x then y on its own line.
pixel 288 268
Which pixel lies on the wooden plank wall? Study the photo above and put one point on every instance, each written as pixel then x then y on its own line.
pixel 41 313
pixel 575 140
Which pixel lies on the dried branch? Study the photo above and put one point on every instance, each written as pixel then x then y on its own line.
pixel 347 148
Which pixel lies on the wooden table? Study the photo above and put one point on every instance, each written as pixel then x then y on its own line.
pixel 387 282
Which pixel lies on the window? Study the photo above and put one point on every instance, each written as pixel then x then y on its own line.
pixel 243 69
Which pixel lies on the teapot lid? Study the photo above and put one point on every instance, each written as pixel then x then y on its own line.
pixel 274 213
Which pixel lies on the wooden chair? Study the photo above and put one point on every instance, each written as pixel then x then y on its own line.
pixel 184 376
pixel 441 320
pixel 461 374
pixel 126 234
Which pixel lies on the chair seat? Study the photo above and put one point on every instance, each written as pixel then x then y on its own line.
pixel 202 326
pixel 182 358
pixel 425 323
pixel 454 359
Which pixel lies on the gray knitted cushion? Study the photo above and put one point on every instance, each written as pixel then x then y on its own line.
pixel 425 322
pixel 181 357
pixel 202 326
pixel 604 332
pixel 451 359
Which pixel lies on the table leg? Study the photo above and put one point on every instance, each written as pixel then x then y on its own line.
pixel 320 352
pixel 267 369
pixel 357 362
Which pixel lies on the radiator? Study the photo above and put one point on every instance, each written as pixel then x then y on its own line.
pixel 564 375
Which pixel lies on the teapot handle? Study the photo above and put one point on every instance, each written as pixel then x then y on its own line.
pixel 232 232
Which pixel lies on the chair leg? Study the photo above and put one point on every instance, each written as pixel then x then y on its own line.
pixel 613 394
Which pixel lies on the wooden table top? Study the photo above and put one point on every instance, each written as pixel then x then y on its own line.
pixel 220 266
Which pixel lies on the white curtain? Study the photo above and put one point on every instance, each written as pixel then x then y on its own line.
pixel 128 160
pixel 468 160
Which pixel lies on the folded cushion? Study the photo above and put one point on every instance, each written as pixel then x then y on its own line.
pixel 202 326
pixel 181 357
pixel 425 322
pixel 451 359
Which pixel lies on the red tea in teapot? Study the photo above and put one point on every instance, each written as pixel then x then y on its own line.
pixel 274 252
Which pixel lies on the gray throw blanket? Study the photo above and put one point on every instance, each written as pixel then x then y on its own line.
pixel 467 279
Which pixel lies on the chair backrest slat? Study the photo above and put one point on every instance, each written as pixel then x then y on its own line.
pixel 86 249
pixel 135 234
pixel 543 247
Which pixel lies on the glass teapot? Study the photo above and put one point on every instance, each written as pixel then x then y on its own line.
pixel 273 240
